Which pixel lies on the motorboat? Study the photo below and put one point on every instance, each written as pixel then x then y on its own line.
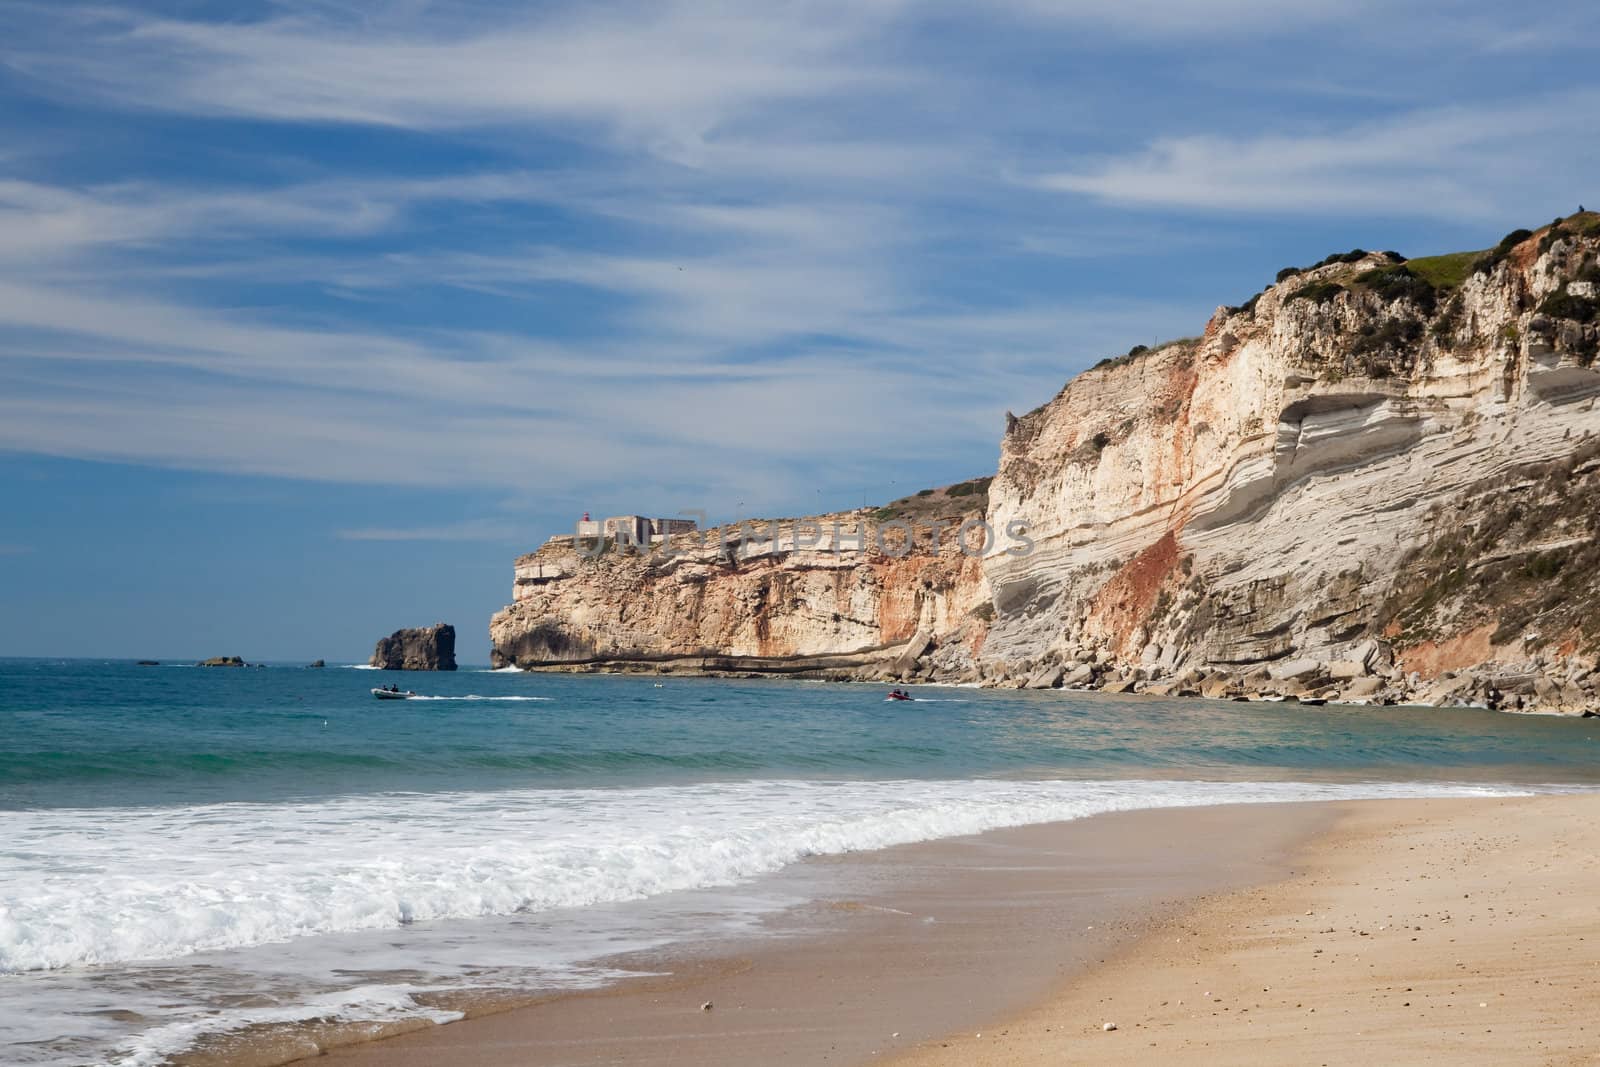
pixel 390 694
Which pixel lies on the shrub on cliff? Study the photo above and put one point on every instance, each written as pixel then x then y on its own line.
pixel 1564 305
pixel 1381 350
pixel 977 485
pixel 1397 282
pixel 1445 326
pixel 1246 308
pixel 1316 292
pixel 1121 361
pixel 1496 255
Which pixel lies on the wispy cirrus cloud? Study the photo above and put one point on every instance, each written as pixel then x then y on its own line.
pixel 464 530
pixel 1455 162
pixel 660 73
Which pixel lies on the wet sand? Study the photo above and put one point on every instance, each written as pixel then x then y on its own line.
pixel 901 946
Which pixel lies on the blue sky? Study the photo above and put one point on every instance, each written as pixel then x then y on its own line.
pixel 314 313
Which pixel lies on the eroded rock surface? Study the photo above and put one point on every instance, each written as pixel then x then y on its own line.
pixel 425 648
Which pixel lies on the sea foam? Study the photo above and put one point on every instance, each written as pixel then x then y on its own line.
pixel 104 886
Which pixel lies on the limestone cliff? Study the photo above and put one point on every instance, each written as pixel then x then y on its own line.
pixel 833 595
pixel 424 648
pixel 1373 469
pixel 1375 479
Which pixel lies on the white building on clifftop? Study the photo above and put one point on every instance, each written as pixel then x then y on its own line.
pixel 633 529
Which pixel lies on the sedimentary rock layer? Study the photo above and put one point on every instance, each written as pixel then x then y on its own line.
pixel 829 595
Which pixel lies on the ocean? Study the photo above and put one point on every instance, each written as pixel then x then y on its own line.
pixel 192 852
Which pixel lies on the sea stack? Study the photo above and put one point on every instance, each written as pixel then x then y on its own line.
pixel 425 648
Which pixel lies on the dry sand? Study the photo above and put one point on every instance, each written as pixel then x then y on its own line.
pixel 1450 931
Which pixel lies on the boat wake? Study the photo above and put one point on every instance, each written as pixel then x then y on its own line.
pixel 475 696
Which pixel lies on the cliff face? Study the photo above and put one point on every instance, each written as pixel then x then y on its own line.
pixel 426 648
pixel 1372 477
pixel 1372 462
pixel 789 596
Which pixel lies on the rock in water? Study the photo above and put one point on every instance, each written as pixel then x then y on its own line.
pixel 222 661
pixel 425 648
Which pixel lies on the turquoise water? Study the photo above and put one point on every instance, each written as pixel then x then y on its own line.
pixel 309 852
pixel 88 734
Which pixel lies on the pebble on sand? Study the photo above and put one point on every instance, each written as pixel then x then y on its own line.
pixel 1108 1027
pixel 706 1006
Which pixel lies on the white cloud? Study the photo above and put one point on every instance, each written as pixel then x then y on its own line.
pixel 465 530
pixel 1454 163
pixel 39 220
pixel 97 375
pixel 1162 18
pixel 662 74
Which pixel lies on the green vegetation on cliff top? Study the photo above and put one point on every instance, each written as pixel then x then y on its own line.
pixel 1446 271
pixel 1421 280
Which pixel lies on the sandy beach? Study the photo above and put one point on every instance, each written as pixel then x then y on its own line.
pixel 1424 931
pixel 1433 931
pixel 894 947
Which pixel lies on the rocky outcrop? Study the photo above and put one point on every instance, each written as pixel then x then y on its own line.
pixel 1376 480
pixel 222 661
pixel 885 593
pixel 426 648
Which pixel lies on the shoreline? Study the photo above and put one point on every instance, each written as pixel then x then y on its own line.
pixel 1468 689
pixel 883 955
